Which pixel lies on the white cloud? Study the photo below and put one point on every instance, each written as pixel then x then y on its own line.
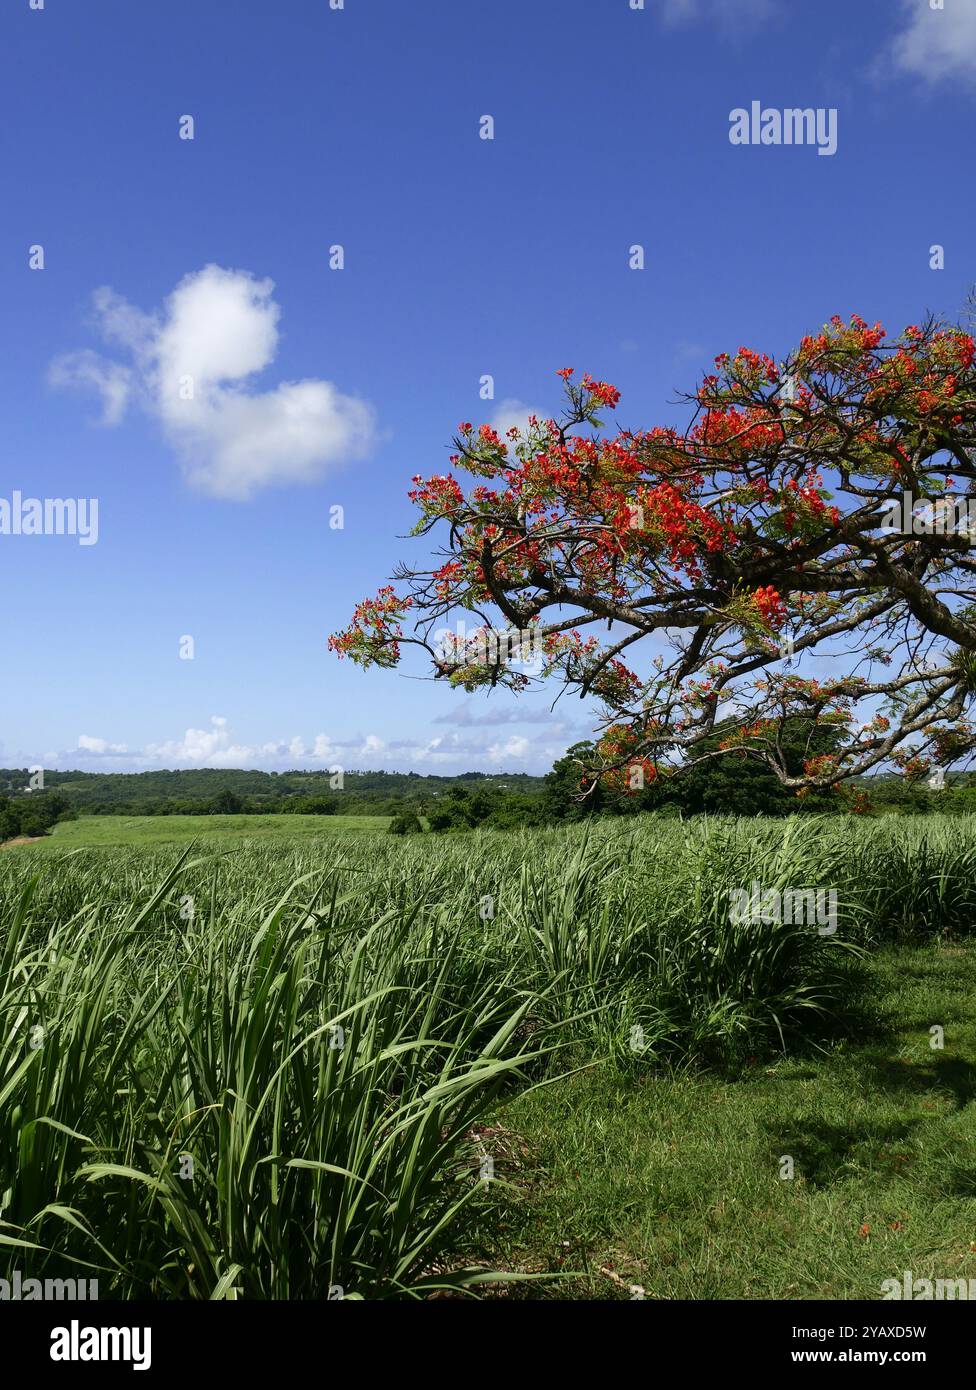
pixel 481 713
pixel 87 371
pixel 201 748
pixel 513 749
pixel 122 323
pixel 729 12
pixel 937 44
pixel 191 365
pixel 679 11
pixel 99 746
pixel 215 745
pixel 512 413
pixel 219 325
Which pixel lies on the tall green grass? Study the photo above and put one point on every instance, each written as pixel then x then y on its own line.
pixel 260 1072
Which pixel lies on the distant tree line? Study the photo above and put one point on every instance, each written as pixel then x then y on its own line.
pixel 32 815
pixel 242 791
pixel 462 809
pixel 726 785
pixel 743 786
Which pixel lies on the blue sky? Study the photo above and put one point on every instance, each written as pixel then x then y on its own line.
pixel 463 257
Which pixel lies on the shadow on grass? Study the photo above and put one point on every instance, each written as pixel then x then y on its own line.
pixel 953 1076
pixel 961 1182
pixel 826 1153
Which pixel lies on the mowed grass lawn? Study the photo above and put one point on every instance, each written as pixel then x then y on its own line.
pixel 95 831
pixel 674 1184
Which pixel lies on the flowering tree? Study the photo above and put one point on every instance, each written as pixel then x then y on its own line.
pixel 772 533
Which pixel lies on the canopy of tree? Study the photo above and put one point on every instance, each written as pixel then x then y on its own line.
pixel 802 513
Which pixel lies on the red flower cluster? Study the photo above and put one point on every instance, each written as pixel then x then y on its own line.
pixel 631 772
pixel 601 391
pixel 373 635
pixel 438 496
pixel 770 606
